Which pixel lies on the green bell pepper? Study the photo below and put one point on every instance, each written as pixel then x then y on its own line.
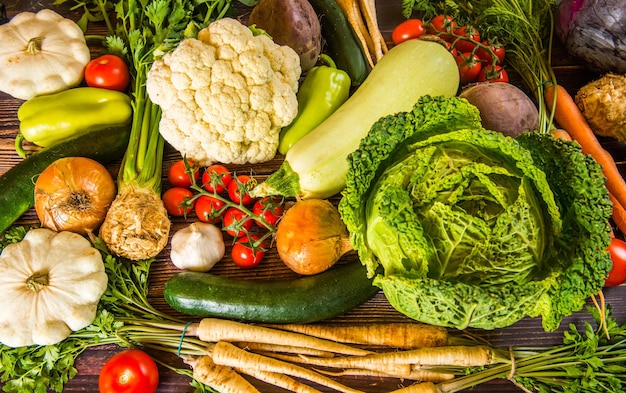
pixel 47 119
pixel 324 89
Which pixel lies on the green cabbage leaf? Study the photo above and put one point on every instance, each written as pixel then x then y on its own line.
pixel 464 227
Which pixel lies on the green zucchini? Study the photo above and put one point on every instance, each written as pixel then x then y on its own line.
pixel 17 185
pixel 342 43
pixel 301 300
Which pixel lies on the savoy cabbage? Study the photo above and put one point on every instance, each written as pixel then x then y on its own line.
pixel 464 227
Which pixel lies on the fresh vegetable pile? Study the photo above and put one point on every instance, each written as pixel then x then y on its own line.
pixel 465 211
pixel 465 227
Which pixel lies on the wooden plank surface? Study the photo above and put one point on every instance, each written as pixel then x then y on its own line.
pixel 525 332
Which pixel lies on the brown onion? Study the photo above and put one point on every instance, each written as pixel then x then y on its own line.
pixel 311 237
pixel 74 194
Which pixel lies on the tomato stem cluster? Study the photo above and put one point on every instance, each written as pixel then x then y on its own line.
pixel 221 197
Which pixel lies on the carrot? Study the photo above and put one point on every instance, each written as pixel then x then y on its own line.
pixel 424 387
pixel 568 115
pixel 396 335
pixel 215 329
pixel 368 9
pixel 619 214
pixel 221 378
pixel 227 354
pixel 351 9
pixel 279 380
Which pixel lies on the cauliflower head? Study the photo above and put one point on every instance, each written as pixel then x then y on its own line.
pixel 226 94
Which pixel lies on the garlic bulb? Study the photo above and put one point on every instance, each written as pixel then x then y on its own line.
pixel 197 247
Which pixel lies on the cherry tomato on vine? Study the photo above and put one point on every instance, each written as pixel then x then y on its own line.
pixel 408 30
pixel 498 51
pixel 491 74
pixel 472 38
pixel 236 222
pixel 239 188
pixel 247 252
pixel 129 371
pixel 178 175
pixel 107 72
pixel 617 275
pixel 177 201
pixel 442 24
pixel 453 51
pixel 270 209
pixel 216 178
pixel 469 67
pixel 209 209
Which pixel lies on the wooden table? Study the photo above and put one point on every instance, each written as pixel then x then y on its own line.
pixel 526 332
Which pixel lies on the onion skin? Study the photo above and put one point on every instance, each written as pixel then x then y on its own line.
pixel 311 237
pixel 74 194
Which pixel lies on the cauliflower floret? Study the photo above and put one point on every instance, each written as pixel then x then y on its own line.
pixel 225 95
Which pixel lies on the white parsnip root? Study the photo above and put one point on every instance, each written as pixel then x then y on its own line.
pixel 221 378
pixel 227 354
pixel 361 15
pixel 394 335
pixel 214 330
pixel 298 358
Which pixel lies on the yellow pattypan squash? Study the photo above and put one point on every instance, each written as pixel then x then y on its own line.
pixel 51 283
pixel 41 53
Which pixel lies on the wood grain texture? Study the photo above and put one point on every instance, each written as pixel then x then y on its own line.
pixel 525 332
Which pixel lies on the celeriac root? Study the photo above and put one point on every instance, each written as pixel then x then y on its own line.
pixel 136 226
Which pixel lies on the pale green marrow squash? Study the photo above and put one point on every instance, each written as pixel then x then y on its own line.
pixel 315 167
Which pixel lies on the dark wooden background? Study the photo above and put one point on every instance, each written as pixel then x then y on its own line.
pixel 525 332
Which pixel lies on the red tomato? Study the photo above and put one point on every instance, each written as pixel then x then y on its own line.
pixel 107 72
pixel 471 37
pixel 209 209
pixel 179 176
pixel 408 30
pixel 270 209
pixel 442 24
pixel 617 275
pixel 239 189
pixel 247 252
pixel 236 222
pixel 177 201
pixel 216 178
pixel 498 51
pixel 453 51
pixel 469 67
pixel 491 74
pixel 130 371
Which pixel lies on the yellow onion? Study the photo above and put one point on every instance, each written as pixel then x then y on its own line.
pixel 311 237
pixel 74 194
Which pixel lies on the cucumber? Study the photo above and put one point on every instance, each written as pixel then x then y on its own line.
pixel 342 43
pixel 17 185
pixel 300 300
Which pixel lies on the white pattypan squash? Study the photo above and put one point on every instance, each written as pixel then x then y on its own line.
pixel 50 285
pixel 41 53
